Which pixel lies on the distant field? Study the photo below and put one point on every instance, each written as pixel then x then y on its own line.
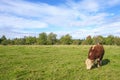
pixel 56 63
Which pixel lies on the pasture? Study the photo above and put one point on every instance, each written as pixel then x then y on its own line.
pixel 56 62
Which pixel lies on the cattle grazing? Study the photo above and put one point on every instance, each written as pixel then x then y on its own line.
pixel 96 53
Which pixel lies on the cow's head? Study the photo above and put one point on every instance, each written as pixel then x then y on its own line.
pixel 89 63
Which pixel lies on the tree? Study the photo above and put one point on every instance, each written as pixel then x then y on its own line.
pixel 30 40
pixel 19 41
pixel 11 42
pixel 76 42
pixel 67 39
pixel 116 40
pixel 88 40
pixel 8 41
pixel 3 40
pixel 42 39
pixel 98 39
pixel 0 40
pixel 51 39
pixel 109 40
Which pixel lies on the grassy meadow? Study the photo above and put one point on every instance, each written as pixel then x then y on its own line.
pixel 56 62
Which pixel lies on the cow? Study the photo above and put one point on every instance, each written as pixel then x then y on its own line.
pixel 95 54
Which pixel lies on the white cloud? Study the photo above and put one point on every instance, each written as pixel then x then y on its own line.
pixel 20 23
pixel 113 2
pixel 90 5
pixel 84 5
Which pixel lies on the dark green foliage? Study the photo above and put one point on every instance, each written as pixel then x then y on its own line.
pixel 116 40
pixel 98 39
pixel 42 39
pixel 88 41
pixel 19 41
pixel 76 42
pixel 51 39
pixel 30 40
pixel 66 40
pixel 3 40
pixel 109 40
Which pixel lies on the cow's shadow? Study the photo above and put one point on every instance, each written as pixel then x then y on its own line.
pixel 105 62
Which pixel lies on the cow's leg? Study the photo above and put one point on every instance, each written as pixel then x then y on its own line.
pixel 99 62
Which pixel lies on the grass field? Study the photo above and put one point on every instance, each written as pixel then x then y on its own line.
pixel 56 63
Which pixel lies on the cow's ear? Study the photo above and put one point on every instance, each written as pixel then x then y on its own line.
pixel 90 53
pixel 93 47
pixel 90 50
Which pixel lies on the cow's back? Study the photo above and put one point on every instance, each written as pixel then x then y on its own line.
pixel 96 51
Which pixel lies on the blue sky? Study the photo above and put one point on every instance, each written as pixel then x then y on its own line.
pixel 79 18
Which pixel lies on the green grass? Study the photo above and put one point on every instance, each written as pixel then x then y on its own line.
pixel 56 63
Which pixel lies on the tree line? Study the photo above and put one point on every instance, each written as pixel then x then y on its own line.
pixel 51 39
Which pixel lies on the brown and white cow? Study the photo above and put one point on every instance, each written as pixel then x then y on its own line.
pixel 96 53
